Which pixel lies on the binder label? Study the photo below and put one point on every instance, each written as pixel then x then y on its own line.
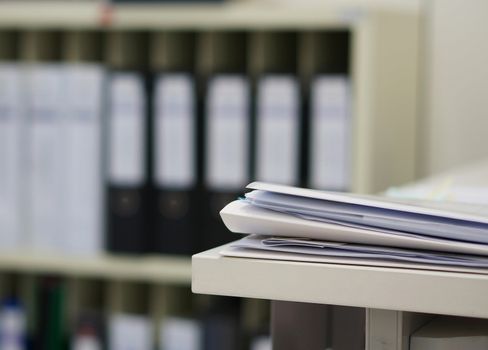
pixel 127 129
pixel 330 133
pixel 227 134
pixel 278 130
pixel 174 123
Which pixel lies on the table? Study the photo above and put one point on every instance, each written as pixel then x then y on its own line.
pixel 397 301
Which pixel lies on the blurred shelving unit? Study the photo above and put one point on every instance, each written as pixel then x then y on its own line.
pixel 382 63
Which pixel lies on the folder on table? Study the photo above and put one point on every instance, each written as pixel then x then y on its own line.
pixel 227 150
pixel 278 129
pixel 330 133
pixel 174 164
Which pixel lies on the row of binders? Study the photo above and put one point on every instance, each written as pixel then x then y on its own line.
pixel 98 157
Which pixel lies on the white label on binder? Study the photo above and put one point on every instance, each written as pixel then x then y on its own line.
pixel 227 133
pixel 330 133
pixel 127 128
pixel 83 174
pixel 278 130
pixel 174 111
pixel 11 101
pixel 47 154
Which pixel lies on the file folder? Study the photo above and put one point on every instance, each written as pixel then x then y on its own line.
pixel 278 129
pixel 175 164
pixel 83 193
pixel 128 166
pixel 227 150
pixel 45 103
pixel 330 133
pixel 12 128
pixel 127 163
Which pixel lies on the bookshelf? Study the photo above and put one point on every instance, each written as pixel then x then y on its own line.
pixel 369 40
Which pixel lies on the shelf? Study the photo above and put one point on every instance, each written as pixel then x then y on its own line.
pixel 152 269
pixel 461 294
pixel 243 14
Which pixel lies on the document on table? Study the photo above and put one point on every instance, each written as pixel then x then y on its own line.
pixel 293 212
pixel 357 251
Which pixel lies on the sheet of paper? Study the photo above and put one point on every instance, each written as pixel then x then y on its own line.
pixel 324 248
pixel 242 217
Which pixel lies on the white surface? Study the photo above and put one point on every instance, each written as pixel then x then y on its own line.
pixel 372 287
pixel 456 77
pixel 82 173
pixel 227 132
pixel 174 131
pixel 12 150
pixel 278 129
pixel 330 125
pixel 127 124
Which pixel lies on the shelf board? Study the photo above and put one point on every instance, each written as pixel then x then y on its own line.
pixel 248 14
pixel 31 14
pixel 462 294
pixel 152 269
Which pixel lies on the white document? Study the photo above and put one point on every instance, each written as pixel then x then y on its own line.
pixel 181 334
pixel 130 332
pixel 83 180
pixel 278 128
pixel 12 119
pixel 227 132
pixel 241 217
pixel 330 131
pixel 45 83
pixel 308 258
pixel 174 131
pixel 359 251
pixel 127 125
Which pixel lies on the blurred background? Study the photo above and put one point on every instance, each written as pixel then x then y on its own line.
pixel 126 125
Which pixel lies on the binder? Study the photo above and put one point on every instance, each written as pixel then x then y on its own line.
pixel 227 145
pixel 175 161
pixel 45 103
pixel 84 85
pixel 12 125
pixel 127 193
pixel 278 129
pixel 330 133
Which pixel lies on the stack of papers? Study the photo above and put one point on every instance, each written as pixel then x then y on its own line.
pixel 306 225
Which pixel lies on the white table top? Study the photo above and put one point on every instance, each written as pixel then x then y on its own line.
pixel 453 293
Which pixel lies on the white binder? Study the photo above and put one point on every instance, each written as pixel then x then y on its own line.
pixel 82 218
pixel 46 153
pixel 11 153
